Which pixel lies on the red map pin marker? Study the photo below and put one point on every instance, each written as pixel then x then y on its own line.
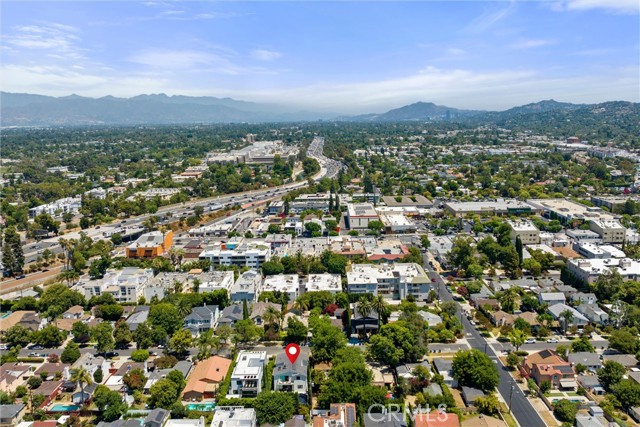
pixel 292 351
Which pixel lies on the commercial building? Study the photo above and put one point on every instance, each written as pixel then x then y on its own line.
pixel 611 231
pixel 360 215
pixel 490 207
pixel 525 230
pixel 395 223
pixel 393 281
pixel 150 245
pixel 317 201
pixel 568 211
pixel 588 236
pixel 243 253
pixel 416 200
pixel 247 375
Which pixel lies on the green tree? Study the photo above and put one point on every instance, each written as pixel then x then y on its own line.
pixel 122 335
pixel 424 241
pixel 381 349
pixel 139 355
pixel 517 338
pixel 326 340
pixel 628 393
pixel 513 360
pixel 12 254
pixel 166 317
pixel 135 379
pixel 488 405
pixel 272 267
pixel 181 341
pixel 565 410
pixel 275 407
pixel 610 374
pixel 164 394
pixel 98 376
pixel 71 353
pixel 109 403
pixel 142 336
pixel 475 369
pixel 246 331
pixel 81 332
pixel 296 331
pixel 17 335
pixel 582 344
pixel 49 336
pixel 102 334
pixel 625 340
pixel 567 318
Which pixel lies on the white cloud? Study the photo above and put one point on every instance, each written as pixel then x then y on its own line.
pixel 620 6
pixel 488 19
pixel 265 55
pixel 531 43
pixel 174 59
pixel 60 38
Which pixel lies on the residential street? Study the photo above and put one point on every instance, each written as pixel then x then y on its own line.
pixel 521 408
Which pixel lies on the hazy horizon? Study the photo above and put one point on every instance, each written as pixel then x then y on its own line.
pixel 333 56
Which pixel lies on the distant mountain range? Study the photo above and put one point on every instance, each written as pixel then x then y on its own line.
pixel 37 110
pixel 18 109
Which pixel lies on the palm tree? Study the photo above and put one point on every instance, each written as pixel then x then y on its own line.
pixel 364 308
pixel 301 304
pixel 69 276
pixel 81 376
pixel 176 255
pixel 567 317
pixel 379 304
pixel 271 315
pixel 184 308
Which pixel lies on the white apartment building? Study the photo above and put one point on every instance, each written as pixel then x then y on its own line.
pixel 243 253
pixel 610 230
pixel 285 283
pixel 247 287
pixel 209 281
pixel 246 378
pixel 126 285
pixel 324 282
pixel 393 281
pixel 588 270
pixel 528 233
pixel 57 208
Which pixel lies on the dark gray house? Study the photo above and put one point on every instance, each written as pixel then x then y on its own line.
pixel 292 377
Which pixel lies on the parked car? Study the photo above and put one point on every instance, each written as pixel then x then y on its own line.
pixel 111 354
pixel 553 340
pixel 530 341
pixel 37 347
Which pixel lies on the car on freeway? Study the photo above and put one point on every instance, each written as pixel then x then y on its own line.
pixel 530 341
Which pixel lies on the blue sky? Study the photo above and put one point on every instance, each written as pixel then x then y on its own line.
pixel 341 56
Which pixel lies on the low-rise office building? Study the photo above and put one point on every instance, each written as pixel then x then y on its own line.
pixel 393 281
pixel 611 231
pixel 526 231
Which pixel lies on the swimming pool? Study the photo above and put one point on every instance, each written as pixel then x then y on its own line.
pixel 205 407
pixel 58 407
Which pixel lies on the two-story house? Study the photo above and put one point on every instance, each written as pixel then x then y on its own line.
pixel 201 319
pixel 246 378
pixel 292 377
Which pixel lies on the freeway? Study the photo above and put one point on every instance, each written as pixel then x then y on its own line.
pixel 524 413
pixel 329 168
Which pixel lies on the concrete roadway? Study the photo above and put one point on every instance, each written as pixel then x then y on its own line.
pixel 522 410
